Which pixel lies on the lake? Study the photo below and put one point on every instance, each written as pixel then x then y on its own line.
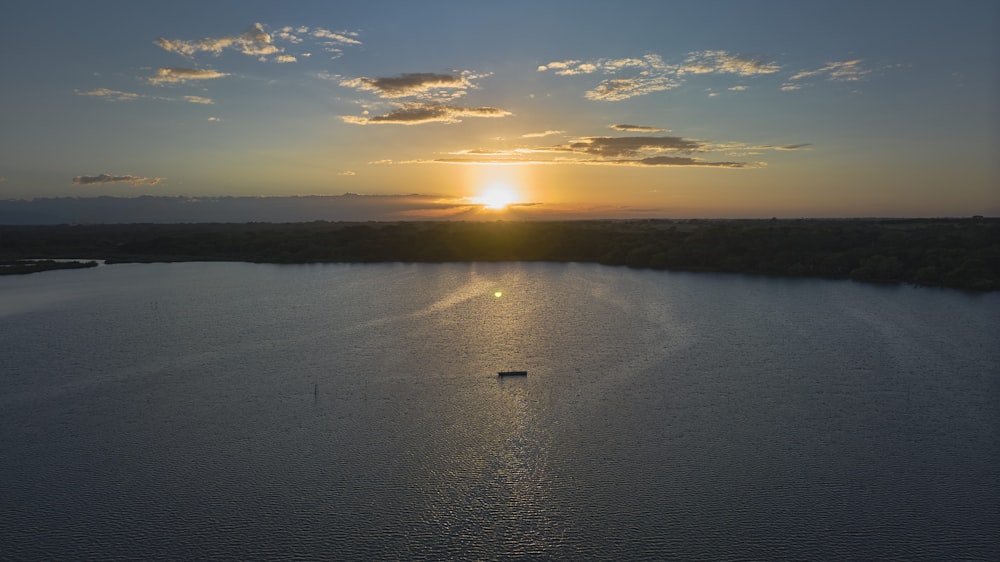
pixel 241 411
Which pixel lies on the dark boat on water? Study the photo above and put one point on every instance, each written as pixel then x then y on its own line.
pixel 512 373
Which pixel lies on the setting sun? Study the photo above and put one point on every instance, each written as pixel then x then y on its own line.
pixel 497 196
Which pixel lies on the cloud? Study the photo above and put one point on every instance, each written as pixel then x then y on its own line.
pixel 738 89
pixel 423 85
pixel 258 42
pixel 199 99
pixel 682 161
pixel 115 95
pixel 612 147
pixel 108 178
pixel 418 113
pixel 541 134
pixel 110 95
pixel 644 151
pixel 348 173
pixel 843 71
pixel 178 75
pixel 343 37
pixel 637 129
pixel 723 62
pixel 632 77
pixel 253 42
pixel 600 150
pixel 574 67
pixel 617 89
pixel 215 119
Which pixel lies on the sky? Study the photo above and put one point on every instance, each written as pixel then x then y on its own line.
pixel 514 109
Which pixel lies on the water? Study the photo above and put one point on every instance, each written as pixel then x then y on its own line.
pixel 238 411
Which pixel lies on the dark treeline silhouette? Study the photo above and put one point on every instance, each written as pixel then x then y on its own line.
pixel 17 267
pixel 959 253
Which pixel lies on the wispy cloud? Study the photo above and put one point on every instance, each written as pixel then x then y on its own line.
pixel 637 129
pixel 199 100
pixel 253 42
pixel 424 85
pixel 341 37
pixel 262 44
pixel 110 95
pixel 663 151
pixel 632 77
pixel 102 179
pixel 617 89
pixel 116 95
pixel 613 147
pixel 843 71
pixel 177 75
pixel 419 113
pixel 723 62
pixel 427 96
pixel 646 151
pixel 651 73
pixel 541 134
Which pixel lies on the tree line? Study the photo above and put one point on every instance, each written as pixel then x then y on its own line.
pixel 959 253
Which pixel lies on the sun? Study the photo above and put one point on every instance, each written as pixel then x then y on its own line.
pixel 497 196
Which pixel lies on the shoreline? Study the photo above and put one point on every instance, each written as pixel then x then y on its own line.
pixel 954 253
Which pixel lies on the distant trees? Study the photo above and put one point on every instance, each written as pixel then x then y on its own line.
pixel 960 253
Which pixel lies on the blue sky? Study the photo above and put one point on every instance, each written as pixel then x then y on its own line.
pixel 570 108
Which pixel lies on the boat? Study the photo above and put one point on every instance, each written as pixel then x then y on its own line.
pixel 512 373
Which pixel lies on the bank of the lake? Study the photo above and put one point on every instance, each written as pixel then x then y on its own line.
pixel 957 253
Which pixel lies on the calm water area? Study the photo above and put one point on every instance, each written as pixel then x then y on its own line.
pixel 352 412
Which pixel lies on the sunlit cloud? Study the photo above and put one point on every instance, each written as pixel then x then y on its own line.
pixel 115 95
pixel 343 37
pixel 253 42
pixel 843 71
pixel 723 62
pixel 178 75
pixel 419 113
pixel 215 119
pixel 680 161
pixel 632 77
pixel 347 173
pixel 738 89
pixel 103 179
pixel 541 134
pixel 110 95
pixel 644 151
pixel 611 147
pixel 608 66
pixel 617 89
pixel 199 100
pixel 423 85
pixel 258 42
pixel 637 129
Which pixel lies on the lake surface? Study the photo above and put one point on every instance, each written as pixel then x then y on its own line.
pixel 240 411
